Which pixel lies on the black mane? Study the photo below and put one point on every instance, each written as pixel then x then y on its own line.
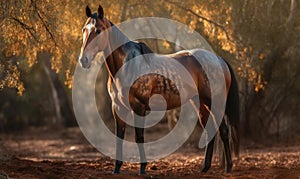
pixel 94 16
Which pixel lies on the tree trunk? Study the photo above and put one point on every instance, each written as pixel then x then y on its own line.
pixel 64 113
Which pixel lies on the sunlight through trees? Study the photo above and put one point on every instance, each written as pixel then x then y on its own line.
pixel 259 38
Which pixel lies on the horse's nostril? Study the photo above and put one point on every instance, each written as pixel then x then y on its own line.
pixel 84 62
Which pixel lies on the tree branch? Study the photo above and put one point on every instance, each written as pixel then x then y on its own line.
pixel 3 20
pixel 292 19
pixel 43 22
pixel 27 28
pixel 201 17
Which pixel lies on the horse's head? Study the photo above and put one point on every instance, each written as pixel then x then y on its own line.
pixel 95 36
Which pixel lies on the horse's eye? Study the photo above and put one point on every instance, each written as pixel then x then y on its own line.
pixel 98 31
pixel 83 30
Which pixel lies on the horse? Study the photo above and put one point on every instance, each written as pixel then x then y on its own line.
pixel 98 36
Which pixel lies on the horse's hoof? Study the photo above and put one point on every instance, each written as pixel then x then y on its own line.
pixel 118 165
pixel 142 173
pixel 115 172
pixel 228 170
pixel 204 169
pixel 143 169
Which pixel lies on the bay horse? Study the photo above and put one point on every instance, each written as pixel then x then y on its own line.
pixel 99 36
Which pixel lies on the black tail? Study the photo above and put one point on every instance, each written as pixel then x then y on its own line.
pixel 233 111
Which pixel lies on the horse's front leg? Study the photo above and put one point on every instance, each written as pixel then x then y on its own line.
pixel 120 130
pixel 139 139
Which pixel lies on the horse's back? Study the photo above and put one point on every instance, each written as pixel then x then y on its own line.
pixel 199 62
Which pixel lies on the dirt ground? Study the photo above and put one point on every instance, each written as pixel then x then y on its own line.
pixel 44 153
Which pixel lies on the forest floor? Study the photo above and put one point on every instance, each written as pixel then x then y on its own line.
pixel 44 153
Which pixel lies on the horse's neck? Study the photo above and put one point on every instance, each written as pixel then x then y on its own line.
pixel 114 61
pixel 114 53
pixel 120 49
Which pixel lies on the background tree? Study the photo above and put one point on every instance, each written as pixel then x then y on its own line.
pixel 260 39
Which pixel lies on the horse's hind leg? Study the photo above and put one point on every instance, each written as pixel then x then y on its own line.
pixel 139 138
pixel 208 155
pixel 203 114
pixel 120 130
pixel 225 138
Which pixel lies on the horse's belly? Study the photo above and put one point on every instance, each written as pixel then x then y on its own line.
pixel 160 102
pixel 158 93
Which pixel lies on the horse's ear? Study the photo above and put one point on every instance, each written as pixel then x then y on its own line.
pixel 88 11
pixel 100 12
